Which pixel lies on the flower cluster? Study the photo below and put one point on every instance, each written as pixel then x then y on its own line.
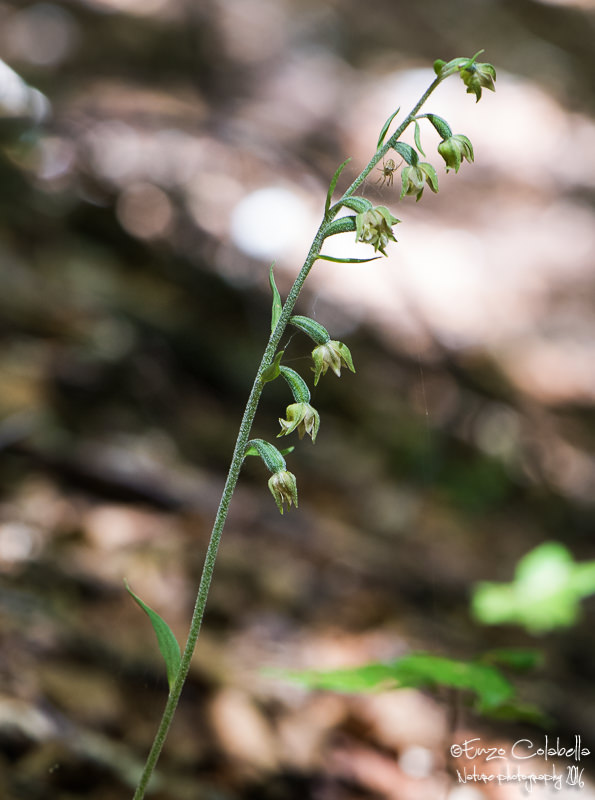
pixel 373 225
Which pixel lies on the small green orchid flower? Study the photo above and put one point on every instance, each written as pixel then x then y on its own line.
pixel 477 77
pixel 374 227
pixel 332 354
pixel 454 149
pixel 303 417
pixel 414 178
pixel 283 487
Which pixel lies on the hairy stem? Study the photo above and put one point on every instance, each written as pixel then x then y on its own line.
pixel 239 454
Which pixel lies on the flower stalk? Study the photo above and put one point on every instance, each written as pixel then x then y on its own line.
pixel 373 227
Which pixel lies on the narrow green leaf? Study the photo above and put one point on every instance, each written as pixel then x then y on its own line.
pixel 341 225
pixel 298 386
pixel 385 128
pixel 277 305
pixel 417 138
pixel 271 456
pixel 408 153
pixel 317 332
pixel 333 184
pixel 357 204
pixel 169 647
pixel 253 451
pixel 348 260
pixel 417 670
pixel 272 371
pixel 441 125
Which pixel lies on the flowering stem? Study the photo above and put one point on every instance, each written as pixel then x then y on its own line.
pixel 391 142
pixel 239 454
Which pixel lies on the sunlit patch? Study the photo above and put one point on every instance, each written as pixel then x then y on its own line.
pixel 466 793
pixel 55 157
pixel 18 542
pixel 586 4
pixel 145 211
pixel 139 7
pixel 269 222
pixel 121 153
pixel 252 30
pixel 19 100
pixel 497 430
pixel 43 34
pixel 417 761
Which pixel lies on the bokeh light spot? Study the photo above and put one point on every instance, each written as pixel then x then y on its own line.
pixel 145 211
pixel 268 222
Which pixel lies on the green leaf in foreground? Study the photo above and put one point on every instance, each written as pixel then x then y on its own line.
pixel 277 305
pixel 417 670
pixel 168 645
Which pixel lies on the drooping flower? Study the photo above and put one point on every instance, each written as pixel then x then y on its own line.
pixel 374 227
pixel 414 179
pixel 283 487
pixel 332 354
pixel 303 417
pixel 477 77
pixel 454 149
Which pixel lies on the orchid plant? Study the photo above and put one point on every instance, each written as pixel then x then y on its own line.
pixel 372 225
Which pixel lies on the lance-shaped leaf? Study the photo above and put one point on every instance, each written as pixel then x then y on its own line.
pixel 408 153
pixel 272 371
pixel 317 332
pixel 298 386
pixel 277 305
pixel 341 225
pixel 253 451
pixel 168 645
pixel 348 260
pixel 357 204
pixel 385 128
pixel 271 456
pixel 417 138
pixel 333 185
pixel 441 125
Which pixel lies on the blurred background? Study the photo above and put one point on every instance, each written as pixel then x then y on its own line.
pixel 155 157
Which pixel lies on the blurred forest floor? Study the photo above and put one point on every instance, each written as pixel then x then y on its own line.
pixel 136 139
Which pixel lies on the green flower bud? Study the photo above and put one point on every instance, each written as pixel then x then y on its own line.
pixel 413 179
pixel 375 227
pixel 283 487
pixel 454 149
pixel 477 77
pixel 303 417
pixel 332 354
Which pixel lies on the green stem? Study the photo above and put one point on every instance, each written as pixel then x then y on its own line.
pixel 391 142
pixel 238 458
